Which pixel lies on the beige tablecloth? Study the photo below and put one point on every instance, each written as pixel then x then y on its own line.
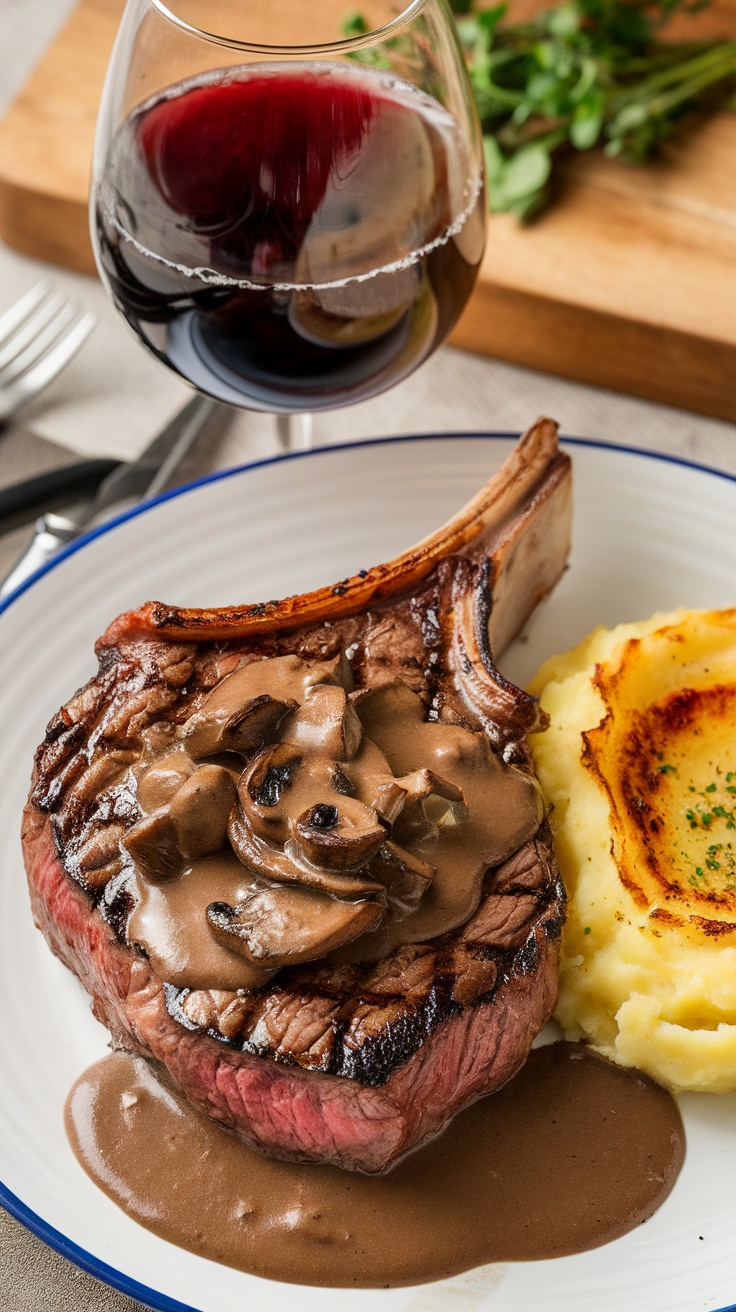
pixel 113 397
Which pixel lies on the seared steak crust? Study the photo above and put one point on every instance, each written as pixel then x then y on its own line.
pixel 352 1063
pixel 307 1114
pixel 364 1021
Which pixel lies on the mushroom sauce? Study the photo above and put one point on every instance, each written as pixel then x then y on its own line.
pixel 570 1154
pixel 291 820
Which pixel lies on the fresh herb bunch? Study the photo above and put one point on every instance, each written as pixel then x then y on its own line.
pixel 587 73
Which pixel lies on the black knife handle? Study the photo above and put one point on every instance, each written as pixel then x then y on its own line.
pixel 24 501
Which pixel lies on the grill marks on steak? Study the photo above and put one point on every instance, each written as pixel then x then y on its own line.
pixel 91 741
pixel 287 1111
pixel 350 1064
pixel 363 1021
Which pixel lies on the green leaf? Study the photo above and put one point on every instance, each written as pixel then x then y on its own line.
pixel 354 24
pixel 467 29
pixel 587 80
pixel 578 74
pixel 489 19
pixel 564 65
pixel 563 21
pixel 544 53
pixel 587 121
pixel 628 118
pixel 584 132
pixel 526 171
pixel 540 87
pixel 495 160
pixel 522 114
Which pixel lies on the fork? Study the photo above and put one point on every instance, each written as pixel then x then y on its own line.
pixel 39 334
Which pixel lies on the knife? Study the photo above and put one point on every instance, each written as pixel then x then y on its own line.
pixel 21 503
pixel 133 481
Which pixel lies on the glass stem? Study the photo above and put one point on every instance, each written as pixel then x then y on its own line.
pixel 296 432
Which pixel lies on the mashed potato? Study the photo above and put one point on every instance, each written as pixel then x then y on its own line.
pixel 639 766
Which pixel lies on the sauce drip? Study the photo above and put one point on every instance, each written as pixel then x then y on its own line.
pixel 169 920
pixel 570 1154
pixel 504 810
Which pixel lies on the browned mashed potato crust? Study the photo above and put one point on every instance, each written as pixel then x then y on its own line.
pixel 639 767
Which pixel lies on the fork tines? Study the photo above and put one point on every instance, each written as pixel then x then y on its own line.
pixel 39 334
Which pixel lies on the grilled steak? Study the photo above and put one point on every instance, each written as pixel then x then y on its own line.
pixel 398 997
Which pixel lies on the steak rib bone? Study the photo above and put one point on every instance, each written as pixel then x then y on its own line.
pixel 520 519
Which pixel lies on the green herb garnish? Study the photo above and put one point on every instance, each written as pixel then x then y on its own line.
pixel 586 73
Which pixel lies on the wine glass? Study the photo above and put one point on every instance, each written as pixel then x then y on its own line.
pixel 288 203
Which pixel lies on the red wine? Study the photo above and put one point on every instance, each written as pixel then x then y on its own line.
pixel 290 237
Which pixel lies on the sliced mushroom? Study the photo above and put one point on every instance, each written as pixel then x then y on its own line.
pixel 158 783
pixel 220 726
pixel 201 810
pixel 338 837
pixel 336 670
pixel 288 925
pixel 405 876
pixel 265 789
pixel 442 801
pixel 229 718
pixel 285 783
pixel 287 865
pixel 371 779
pixel 153 845
pixel 388 799
pixel 326 722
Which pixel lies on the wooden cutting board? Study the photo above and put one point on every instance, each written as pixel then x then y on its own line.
pixel 629 281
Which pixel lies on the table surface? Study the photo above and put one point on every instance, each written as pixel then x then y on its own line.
pixel 112 398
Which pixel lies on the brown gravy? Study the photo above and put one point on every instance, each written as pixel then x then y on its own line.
pixel 394 817
pixel 570 1154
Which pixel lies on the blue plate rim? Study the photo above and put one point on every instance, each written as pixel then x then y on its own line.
pixel 286 457
pixel 15 1206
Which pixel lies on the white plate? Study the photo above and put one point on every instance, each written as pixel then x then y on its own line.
pixel 649 534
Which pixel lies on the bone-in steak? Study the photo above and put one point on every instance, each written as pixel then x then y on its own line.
pixel 355 1051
